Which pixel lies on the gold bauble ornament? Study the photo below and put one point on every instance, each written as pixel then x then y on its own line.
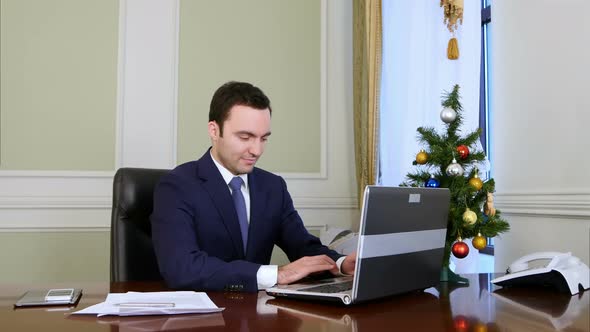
pixel 480 327
pixel 479 242
pixel 475 182
pixel 469 216
pixel 422 157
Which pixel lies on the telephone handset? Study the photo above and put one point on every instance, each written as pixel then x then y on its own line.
pixel 556 259
pixel 563 272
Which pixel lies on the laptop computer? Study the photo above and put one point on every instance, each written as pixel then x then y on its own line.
pixel 400 249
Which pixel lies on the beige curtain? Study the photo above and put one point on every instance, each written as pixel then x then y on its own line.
pixel 366 78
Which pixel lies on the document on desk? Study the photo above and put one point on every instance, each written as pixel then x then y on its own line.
pixel 152 303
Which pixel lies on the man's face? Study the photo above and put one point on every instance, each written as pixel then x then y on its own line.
pixel 245 133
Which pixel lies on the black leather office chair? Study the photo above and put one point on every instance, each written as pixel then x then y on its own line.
pixel 132 251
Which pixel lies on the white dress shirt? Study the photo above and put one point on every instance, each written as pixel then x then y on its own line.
pixel 267 275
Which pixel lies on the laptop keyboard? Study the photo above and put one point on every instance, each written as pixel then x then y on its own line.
pixel 330 288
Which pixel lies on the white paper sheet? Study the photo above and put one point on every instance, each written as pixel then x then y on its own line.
pixel 152 303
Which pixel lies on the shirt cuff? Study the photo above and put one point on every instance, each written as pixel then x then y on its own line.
pixel 339 264
pixel 267 276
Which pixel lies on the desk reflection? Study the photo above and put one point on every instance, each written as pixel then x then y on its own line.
pixel 246 312
pixel 481 307
pixel 550 311
pixel 209 322
pixel 407 311
pixel 486 307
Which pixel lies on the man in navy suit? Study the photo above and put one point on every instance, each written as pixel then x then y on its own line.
pixel 205 242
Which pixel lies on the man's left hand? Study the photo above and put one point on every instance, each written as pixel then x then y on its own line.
pixel 349 264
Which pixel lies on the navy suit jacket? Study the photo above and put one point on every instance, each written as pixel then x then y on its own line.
pixel 196 232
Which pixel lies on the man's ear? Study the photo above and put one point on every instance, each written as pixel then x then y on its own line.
pixel 213 129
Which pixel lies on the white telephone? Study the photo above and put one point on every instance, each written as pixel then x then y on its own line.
pixel 564 272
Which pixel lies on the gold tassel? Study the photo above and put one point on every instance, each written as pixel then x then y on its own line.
pixel 453 49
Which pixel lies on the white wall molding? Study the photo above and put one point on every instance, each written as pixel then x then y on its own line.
pixel 54 199
pixel 325 202
pixel 93 213
pixel 319 228
pixel 47 187
pixel 104 202
pixel 54 174
pixel 55 229
pixel 120 84
pixel 148 75
pixel 55 202
pixel 568 203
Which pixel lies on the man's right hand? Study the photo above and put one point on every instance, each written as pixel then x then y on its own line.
pixel 303 267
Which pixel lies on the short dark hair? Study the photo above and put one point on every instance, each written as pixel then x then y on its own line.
pixel 234 93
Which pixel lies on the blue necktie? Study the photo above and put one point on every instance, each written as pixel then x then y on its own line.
pixel 236 193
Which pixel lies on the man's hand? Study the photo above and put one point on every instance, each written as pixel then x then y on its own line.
pixel 305 266
pixel 349 264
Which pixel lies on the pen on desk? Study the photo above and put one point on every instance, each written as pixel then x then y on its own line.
pixel 146 304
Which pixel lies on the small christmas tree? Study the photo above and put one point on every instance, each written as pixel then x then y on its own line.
pixel 450 161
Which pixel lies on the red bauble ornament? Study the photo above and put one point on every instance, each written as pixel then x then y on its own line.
pixel 463 151
pixel 461 323
pixel 460 249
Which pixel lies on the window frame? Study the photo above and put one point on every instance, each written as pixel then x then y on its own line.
pixel 486 18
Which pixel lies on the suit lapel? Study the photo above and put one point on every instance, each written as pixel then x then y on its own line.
pixel 217 188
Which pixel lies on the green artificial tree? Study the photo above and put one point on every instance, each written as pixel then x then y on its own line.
pixel 450 161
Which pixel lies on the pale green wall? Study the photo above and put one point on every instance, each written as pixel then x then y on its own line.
pixel 54 256
pixel 273 44
pixel 64 256
pixel 280 258
pixel 58 101
pixel 58 84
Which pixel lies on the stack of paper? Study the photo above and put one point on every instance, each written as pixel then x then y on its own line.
pixel 152 303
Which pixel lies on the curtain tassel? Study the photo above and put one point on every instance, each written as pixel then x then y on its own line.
pixel 453 49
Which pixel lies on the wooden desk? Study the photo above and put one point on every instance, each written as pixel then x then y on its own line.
pixel 479 307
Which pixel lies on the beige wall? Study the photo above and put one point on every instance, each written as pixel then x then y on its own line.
pixel 539 126
pixel 58 84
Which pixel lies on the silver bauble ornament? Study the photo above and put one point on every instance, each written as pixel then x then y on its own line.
pixel 448 115
pixel 454 169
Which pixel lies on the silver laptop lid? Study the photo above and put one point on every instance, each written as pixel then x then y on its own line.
pixel 401 240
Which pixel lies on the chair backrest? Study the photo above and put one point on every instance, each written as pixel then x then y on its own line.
pixel 132 251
